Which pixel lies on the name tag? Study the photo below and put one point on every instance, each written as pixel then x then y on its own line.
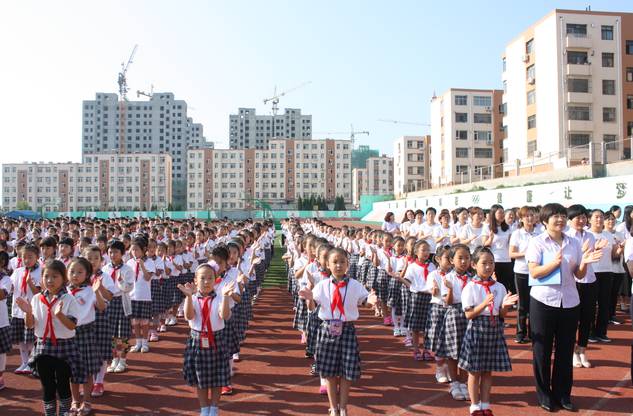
pixel 204 342
pixel 335 327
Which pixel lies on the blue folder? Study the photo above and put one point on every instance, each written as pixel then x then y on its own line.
pixel 551 279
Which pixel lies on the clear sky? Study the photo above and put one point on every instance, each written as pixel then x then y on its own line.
pixel 366 59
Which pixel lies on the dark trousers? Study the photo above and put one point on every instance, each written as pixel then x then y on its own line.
pixel 505 275
pixel 588 293
pixel 551 325
pixel 55 377
pixel 615 292
pixel 605 286
pixel 523 290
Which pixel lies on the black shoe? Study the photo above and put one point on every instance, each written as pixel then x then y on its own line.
pixel 593 339
pixel 547 407
pixel 614 321
pixel 568 405
pixel 521 340
pixel 309 355
pixel 604 339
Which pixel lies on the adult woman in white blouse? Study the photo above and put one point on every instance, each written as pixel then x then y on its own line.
pixel 471 232
pixel 497 236
pixel 554 308
pixel 407 220
pixel 390 225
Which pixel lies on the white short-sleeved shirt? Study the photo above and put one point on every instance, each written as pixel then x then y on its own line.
pixel 86 300
pixel 416 275
pixel 415 228
pixel 176 261
pixel 398 263
pixel 112 274
pixel 469 231
pixel 445 233
pixel 353 294
pixel 404 227
pixel 430 230
pixel 520 239
pixel 187 257
pixel 458 287
pixel 15 263
pixel 604 265
pixel 628 252
pixel 384 258
pixel 456 229
pixel 200 251
pixel 435 276
pixel 16 281
pixel 217 323
pixel 142 288
pixel 618 267
pixel 590 277
pixel 159 268
pixel 474 294
pixel 390 226
pixel 564 294
pixel 5 284
pixel 311 269
pixel 40 315
pixel 500 246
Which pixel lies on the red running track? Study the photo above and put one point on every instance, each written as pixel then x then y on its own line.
pixel 273 379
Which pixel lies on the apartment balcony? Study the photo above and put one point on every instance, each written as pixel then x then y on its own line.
pixel 578 41
pixel 580 125
pixel 582 69
pixel 580 97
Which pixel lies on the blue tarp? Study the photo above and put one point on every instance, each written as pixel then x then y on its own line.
pixel 31 215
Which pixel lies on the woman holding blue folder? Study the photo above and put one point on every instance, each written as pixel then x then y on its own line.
pixel 555 261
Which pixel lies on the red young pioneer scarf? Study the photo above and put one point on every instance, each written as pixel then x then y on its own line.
pixel 137 269
pixel 425 268
pixel 337 299
pixel 24 278
pixel 486 284
pixel 207 326
pixel 463 278
pixel 49 331
pixel 96 276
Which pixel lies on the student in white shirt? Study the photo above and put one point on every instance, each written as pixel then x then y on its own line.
pixel 497 236
pixel 141 294
pixel 5 328
pixel 53 316
pixel 156 289
pixel 617 264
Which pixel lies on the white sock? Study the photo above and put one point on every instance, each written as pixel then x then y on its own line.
pixel 323 383
pixel 25 352
pixel 144 342
pixel 484 405
pixel 213 410
pixel 139 342
pixel 474 407
pixel 204 411
pixel 122 360
pixel 3 362
pixel 394 318
pixel 232 368
pixel 101 374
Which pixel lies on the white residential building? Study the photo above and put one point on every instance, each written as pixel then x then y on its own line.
pixel 411 160
pixel 379 175
pixel 568 82
pixel 247 130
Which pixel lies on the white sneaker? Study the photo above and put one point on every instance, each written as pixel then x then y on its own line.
pixel 135 348
pixel 236 357
pixel 144 348
pixel 121 367
pixel 456 392
pixel 20 369
pixel 162 328
pixel 113 365
pixel 576 360
pixel 440 375
pixel 464 389
pixel 584 361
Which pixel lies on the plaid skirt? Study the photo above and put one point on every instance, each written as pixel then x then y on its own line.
pixel 20 333
pixel 394 298
pixel 300 321
pixel 381 285
pixel 242 318
pixel 206 367
pixel 157 295
pixel 455 324
pixel 260 271
pixel 119 323
pixel 142 309
pixel 372 276
pixel 314 323
pixel 86 344
pixel 66 350
pixel 103 336
pixel 420 304
pixel 353 266
pixel 484 347
pixel 434 327
pixel 406 305
pixel 5 339
pixel 338 356
pixel 361 274
pixel 172 293
pixel 291 279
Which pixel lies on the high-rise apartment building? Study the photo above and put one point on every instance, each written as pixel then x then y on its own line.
pixel 411 164
pixel 247 130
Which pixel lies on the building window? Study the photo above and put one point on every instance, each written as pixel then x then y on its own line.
pixel 530 72
pixel 608 87
pixel 483 153
pixel 629 47
pixel 578 85
pixel 578 139
pixel 461 152
pixel 529 46
pixel 607 59
pixel 482 118
pixel 608 114
pixel 461 100
pixel 610 141
pixel 578 30
pixel 503 64
pixel 531 122
pixel 579 113
pixel 461 117
pixel 531 147
pixel 482 101
pixel 577 58
pixel 607 32
pixel 483 135
pixel 461 135
pixel 531 97
pixel 629 102
pixel 629 74
pixel 459 169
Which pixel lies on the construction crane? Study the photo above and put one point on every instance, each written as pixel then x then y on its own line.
pixel 148 95
pixel 352 133
pixel 275 98
pixel 123 89
pixel 403 122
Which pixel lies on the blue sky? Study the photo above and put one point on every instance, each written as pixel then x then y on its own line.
pixel 366 59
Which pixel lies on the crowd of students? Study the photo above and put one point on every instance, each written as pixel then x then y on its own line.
pixel 445 284
pixel 77 296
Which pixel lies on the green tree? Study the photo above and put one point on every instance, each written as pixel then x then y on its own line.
pixel 339 204
pixel 299 203
pixel 360 156
pixel 23 206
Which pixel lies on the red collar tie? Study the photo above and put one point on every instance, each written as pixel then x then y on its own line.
pixel 49 328
pixel 463 278
pixel 207 326
pixel 337 299
pixel 486 284
pixel 24 278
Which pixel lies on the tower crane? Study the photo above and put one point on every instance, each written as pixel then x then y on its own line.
pixel 123 89
pixel 352 133
pixel 403 122
pixel 275 98
pixel 148 95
